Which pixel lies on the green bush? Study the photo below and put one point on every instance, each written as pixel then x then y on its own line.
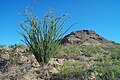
pixel 13 55
pixel 43 37
pixel 68 52
pixel 72 69
pixel 107 70
pixel 71 49
pixel 90 50
pixel 115 54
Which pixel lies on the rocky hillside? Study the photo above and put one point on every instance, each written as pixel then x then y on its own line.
pixel 83 55
pixel 87 37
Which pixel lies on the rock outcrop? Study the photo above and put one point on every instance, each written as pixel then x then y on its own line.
pixel 86 37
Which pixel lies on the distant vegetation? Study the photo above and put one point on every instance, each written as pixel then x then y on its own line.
pixel 90 62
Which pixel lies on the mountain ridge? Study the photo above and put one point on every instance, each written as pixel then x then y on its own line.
pixel 87 37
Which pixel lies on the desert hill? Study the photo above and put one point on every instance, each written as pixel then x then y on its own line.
pixel 87 37
pixel 83 55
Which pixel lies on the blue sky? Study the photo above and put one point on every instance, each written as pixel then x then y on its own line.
pixel 102 16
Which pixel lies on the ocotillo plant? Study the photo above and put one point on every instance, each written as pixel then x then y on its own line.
pixel 43 37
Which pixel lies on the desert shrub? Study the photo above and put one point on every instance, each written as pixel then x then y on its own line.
pixel 13 54
pixel 107 70
pixel 72 69
pixel 17 46
pixel 71 49
pixel 43 37
pixel 90 50
pixel 68 52
pixel 115 54
pixel 2 46
pixel 2 50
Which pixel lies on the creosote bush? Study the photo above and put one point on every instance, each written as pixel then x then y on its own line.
pixel 43 37
pixel 107 69
pixel 90 50
pixel 71 69
pixel 68 51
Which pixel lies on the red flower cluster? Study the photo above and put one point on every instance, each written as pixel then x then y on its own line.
pixel 50 7
pixel 26 25
pixel 25 10
pixel 76 23
pixel 70 40
pixel 65 19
